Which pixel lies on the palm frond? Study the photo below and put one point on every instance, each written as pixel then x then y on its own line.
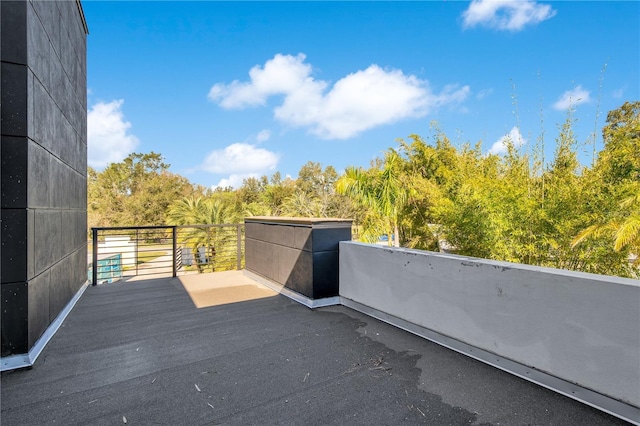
pixel 628 233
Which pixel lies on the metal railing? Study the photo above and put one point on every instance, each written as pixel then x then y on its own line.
pixel 124 252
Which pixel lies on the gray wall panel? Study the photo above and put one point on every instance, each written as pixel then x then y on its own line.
pixel 327 239
pixel 325 273
pixel 50 19
pixel 30 106
pixel 39 51
pixel 57 74
pixel 68 225
pixel 38 164
pixel 14 246
pixel 14 318
pixel 60 291
pixel 14 103
pixel 13 32
pixel 43 116
pixel 67 141
pixel 78 268
pixel 59 184
pixel 302 238
pixel 298 275
pixel 47 234
pixel 31 243
pixel 14 172
pixel 38 298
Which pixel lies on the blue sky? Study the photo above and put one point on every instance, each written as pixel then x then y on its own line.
pixel 227 90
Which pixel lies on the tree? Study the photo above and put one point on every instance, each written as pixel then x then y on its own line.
pixel 625 232
pixel 251 190
pixel 616 186
pixel 211 241
pixel 276 193
pixel 620 158
pixel 264 195
pixel 506 207
pixel 301 204
pixel 628 233
pixel 433 173
pixel 312 180
pixel 134 192
pixel 200 211
pixel 380 189
pixel 314 194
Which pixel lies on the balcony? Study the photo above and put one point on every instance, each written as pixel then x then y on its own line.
pixel 231 348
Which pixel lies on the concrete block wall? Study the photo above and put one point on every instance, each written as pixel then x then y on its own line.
pixel 43 165
pixel 581 328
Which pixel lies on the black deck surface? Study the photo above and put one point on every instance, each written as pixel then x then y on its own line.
pixel 141 353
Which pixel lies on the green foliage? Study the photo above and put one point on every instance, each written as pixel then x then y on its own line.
pixel 424 194
pixel 512 207
pixel 214 241
pixel 620 159
pixel 615 182
pixel 516 211
pixel 200 211
pixel 314 181
pixel 382 190
pixel 264 196
pixel 134 192
pixel 312 194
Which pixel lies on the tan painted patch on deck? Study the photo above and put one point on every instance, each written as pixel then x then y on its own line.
pixel 221 288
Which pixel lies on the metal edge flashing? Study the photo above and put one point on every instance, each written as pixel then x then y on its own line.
pixel 82 16
pixel 295 296
pixel 315 223
pixel 15 362
pixel 586 396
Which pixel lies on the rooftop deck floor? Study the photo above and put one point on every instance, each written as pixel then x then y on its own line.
pixel 143 353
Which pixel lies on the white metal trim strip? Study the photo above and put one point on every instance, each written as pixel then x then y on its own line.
pixel 14 362
pixel 304 300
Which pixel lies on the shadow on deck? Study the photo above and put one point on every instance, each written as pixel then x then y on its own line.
pixel 143 353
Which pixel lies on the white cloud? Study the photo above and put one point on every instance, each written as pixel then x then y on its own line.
pixel 355 103
pixel 234 180
pixel 500 146
pixel 483 94
pixel 280 75
pixel 572 98
pixel 618 93
pixel 510 15
pixel 263 136
pixel 107 134
pixel 240 159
